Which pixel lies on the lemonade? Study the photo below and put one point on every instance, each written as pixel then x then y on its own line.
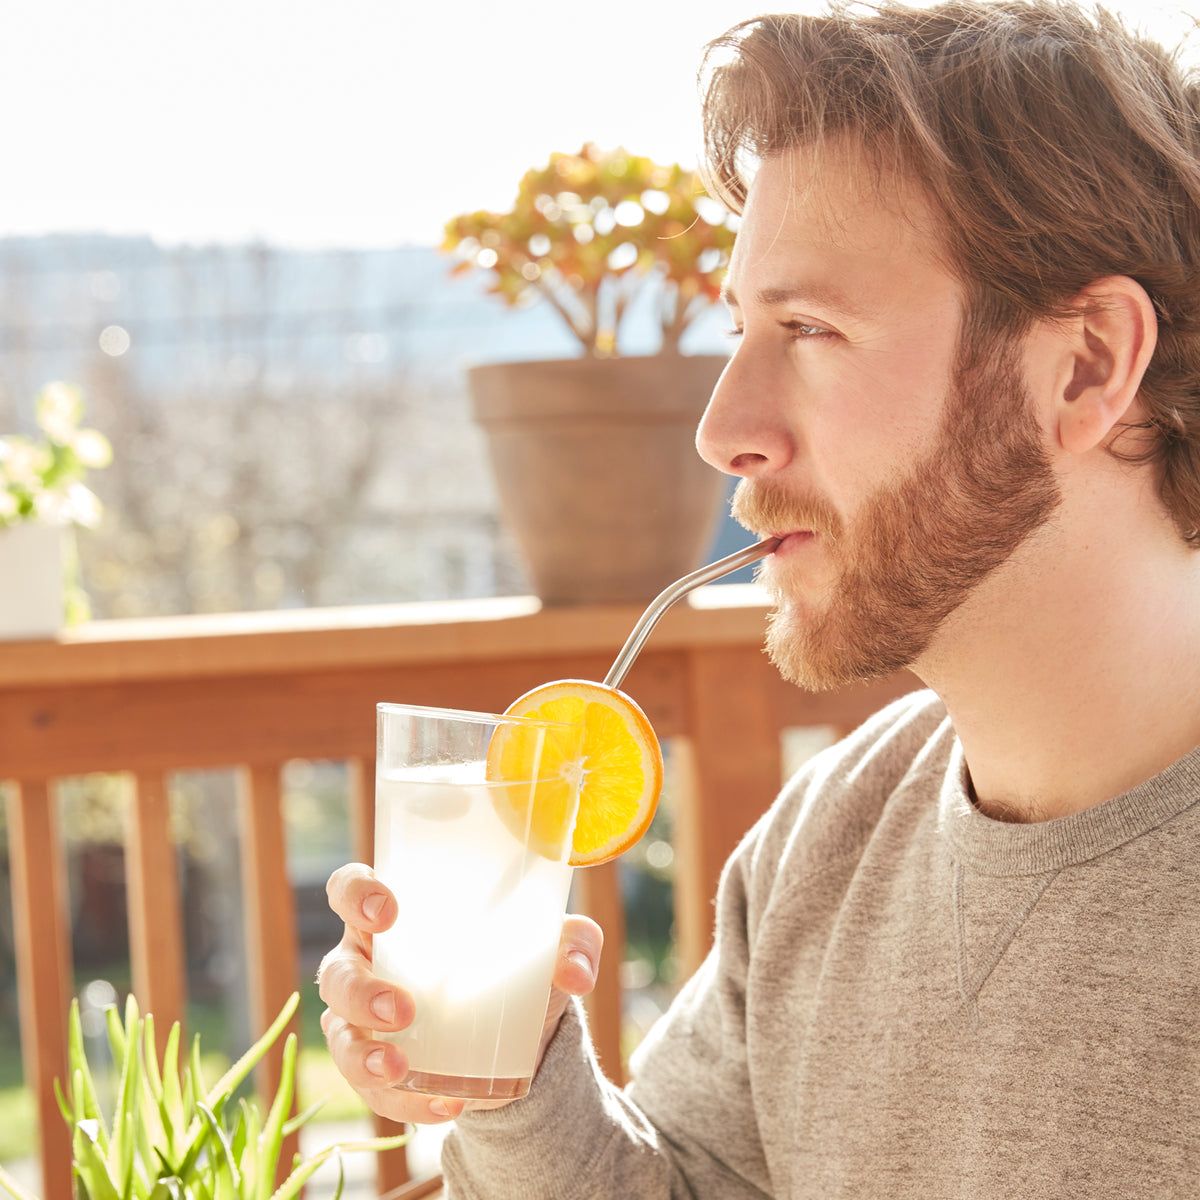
pixel 479 819
pixel 478 933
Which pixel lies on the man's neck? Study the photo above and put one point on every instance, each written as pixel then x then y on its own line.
pixel 1073 676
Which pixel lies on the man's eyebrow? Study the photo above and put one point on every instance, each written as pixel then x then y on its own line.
pixel 822 295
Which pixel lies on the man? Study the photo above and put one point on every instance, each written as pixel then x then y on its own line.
pixel 959 957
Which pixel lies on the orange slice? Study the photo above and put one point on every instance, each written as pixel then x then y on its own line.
pixel 616 760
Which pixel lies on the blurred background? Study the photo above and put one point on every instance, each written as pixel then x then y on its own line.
pixel 221 222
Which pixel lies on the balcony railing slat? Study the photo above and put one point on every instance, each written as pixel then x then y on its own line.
pixel 360 784
pixel 731 771
pixel 391 1167
pixel 155 918
pixel 271 951
pixel 40 929
pixel 426 1189
pixel 599 893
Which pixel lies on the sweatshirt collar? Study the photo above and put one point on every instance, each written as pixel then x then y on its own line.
pixel 1006 848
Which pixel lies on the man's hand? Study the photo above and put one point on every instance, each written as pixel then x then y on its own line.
pixel 359 1002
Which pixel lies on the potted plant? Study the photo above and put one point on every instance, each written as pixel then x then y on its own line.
pixel 595 466
pixel 42 496
pixel 169 1136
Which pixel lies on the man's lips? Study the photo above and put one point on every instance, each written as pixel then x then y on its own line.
pixel 792 541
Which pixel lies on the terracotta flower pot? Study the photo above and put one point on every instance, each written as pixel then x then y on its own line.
pixel 597 472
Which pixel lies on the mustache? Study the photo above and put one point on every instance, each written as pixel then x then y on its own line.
pixel 767 508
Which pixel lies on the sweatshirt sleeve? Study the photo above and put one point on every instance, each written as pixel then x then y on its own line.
pixel 685 1127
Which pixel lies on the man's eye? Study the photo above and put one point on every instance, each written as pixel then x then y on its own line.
pixel 804 329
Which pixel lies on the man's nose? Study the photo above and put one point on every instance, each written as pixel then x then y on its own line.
pixel 743 431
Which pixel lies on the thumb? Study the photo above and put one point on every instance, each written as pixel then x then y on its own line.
pixel 578 956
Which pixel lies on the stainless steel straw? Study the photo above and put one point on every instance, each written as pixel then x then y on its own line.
pixel 677 590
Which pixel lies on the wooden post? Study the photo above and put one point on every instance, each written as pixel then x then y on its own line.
pixel 270 922
pixel 391 1166
pixel 155 921
pixel 599 892
pixel 730 770
pixel 41 930
pixel 360 780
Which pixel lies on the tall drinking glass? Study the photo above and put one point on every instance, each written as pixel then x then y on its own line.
pixel 481 897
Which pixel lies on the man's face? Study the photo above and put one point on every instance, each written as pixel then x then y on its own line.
pixel 899 477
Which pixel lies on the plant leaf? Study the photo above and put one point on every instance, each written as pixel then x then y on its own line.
pixel 197 1075
pixel 147 1133
pixel 10 1185
pixel 150 1055
pixel 272 1135
pixel 341 1183
pixel 239 1130
pixel 166 1168
pixel 300 1176
pixel 188 1095
pixel 63 1106
pixel 142 1183
pixel 116 1032
pixel 168 1187
pixel 132 1023
pixel 244 1065
pixel 77 1062
pixel 149 1130
pixel 191 1145
pixel 250 1156
pixel 170 1101
pixel 307 1115
pixel 291 1186
pixel 121 1148
pixel 229 1180
pixel 374 1144
pixel 91 1170
pixel 97 1130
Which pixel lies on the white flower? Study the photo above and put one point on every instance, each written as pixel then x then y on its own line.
pixel 59 407
pixel 92 448
pixel 24 463
pixel 82 506
pixel 51 508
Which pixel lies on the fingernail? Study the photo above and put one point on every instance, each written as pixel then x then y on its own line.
pixel 372 906
pixel 383 1005
pixel 374 1062
pixel 438 1108
pixel 580 960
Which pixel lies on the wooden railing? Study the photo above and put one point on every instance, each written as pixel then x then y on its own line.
pixel 257 690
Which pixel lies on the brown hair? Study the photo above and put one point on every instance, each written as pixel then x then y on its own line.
pixel 1058 148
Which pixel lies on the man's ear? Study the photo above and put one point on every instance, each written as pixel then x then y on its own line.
pixel 1109 345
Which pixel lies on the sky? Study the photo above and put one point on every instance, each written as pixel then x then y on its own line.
pixel 337 122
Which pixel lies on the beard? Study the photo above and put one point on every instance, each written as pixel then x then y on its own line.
pixel 918 548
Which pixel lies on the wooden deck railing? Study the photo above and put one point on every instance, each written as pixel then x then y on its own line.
pixel 257 690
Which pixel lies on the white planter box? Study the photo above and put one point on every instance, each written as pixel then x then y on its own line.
pixel 31 580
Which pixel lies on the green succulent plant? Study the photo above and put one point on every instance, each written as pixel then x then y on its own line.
pixel 169 1136
pixel 588 231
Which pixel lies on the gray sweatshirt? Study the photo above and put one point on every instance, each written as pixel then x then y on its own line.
pixel 905 999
